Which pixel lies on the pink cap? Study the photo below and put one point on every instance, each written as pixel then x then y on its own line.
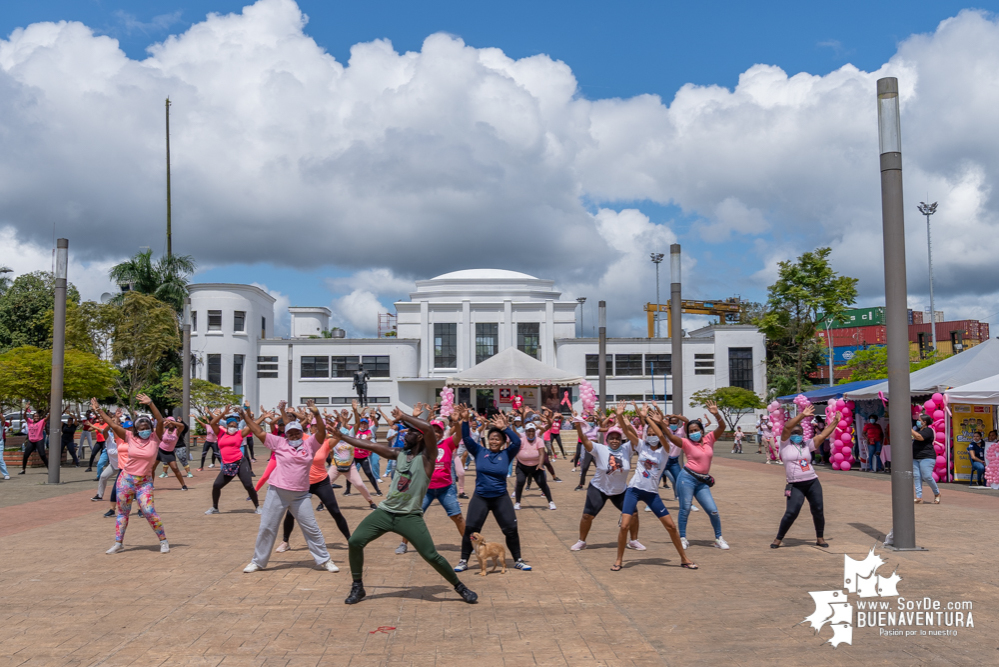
pixel 614 429
pixel 439 424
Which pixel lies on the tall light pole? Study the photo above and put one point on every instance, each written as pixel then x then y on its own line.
pixel 896 316
pixel 676 329
pixel 58 358
pixel 657 258
pixel 928 210
pixel 582 329
pixel 602 354
pixel 832 350
pixel 186 366
pixel 169 247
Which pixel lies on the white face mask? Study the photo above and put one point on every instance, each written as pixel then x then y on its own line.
pixel 232 430
pixel 295 443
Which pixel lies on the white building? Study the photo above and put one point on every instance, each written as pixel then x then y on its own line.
pixel 450 323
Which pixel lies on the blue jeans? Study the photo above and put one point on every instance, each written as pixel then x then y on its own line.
pixel 672 470
pixel 390 467
pixel 3 466
pixel 689 488
pixel 447 496
pixel 376 465
pixel 874 457
pixel 102 461
pixel 979 467
pixel 922 470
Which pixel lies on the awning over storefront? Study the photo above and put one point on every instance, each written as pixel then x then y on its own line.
pixel 977 363
pixel 511 367
pixel 835 391
pixel 983 392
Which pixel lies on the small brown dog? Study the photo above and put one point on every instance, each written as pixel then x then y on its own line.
pixel 486 550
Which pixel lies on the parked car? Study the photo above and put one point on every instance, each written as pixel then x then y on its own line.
pixel 15 425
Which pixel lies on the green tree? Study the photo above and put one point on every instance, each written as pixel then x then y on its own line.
pixel 205 395
pixel 804 288
pixel 733 402
pixel 872 364
pixel 145 330
pixel 26 374
pixel 25 308
pixel 166 278
pixel 4 278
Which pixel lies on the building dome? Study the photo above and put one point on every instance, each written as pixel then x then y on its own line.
pixel 484 274
pixel 485 285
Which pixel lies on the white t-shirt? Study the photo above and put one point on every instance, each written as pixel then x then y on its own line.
pixel 612 468
pixel 649 469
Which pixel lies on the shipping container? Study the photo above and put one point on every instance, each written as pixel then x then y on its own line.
pixel 915 317
pixel 842 355
pixel 971 330
pixel 857 317
pixel 856 336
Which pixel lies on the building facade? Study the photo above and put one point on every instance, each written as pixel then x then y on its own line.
pixel 449 324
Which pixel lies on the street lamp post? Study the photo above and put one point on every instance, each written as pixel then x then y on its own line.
pixel 657 258
pixel 896 316
pixel 582 329
pixel 928 210
pixel 676 329
pixel 832 350
pixel 186 366
pixel 58 359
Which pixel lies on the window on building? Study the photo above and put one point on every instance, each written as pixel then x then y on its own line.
pixel 239 321
pixel 529 338
pixel 347 400
pixel 194 321
pixel 215 320
pixel 486 340
pixel 445 345
pixel 194 366
pixel 592 364
pixel 658 364
pixel 315 367
pixel 628 364
pixel 215 368
pixel 377 366
pixel 704 364
pixel 237 373
pixel 630 397
pixel 344 367
pixel 740 367
pixel 263 327
pixel 318 400
pixel 659 397
pixel 267 367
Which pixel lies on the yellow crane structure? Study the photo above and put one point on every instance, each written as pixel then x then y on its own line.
pixel 728 310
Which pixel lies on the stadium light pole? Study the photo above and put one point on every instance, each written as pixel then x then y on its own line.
pixel 928 210
pixel 896 315
pixel 676 329
pixel 657 258
pixel 58 359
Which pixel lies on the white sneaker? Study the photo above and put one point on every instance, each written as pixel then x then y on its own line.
pixel 6 476
pixel 281 548
pixel 636 545
pixel 578 546
pixel 551 505
pixel 212 511
pixel 118 546
pixel 684 543
pixel 516 506
pixel 252 567
pixel 331 566
pixel 721 543
pixel 402 548
pixel 211 465
pixel 258 511
pixel 164 547
pixel 648 509
pixel 694 508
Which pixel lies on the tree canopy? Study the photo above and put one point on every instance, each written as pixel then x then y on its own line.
pixel 145 329
pixel 25 310
pixel 732 402
pixel 166 278
pixel 26 374
pixel 205 395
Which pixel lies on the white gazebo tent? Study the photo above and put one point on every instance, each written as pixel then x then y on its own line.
pixel 982 392
pixel 511 367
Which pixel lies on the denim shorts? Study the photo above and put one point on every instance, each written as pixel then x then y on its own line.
pixel 633 495
pixel 448 497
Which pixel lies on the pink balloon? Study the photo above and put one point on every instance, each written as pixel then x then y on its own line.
pixel 938 415
pixel 939 448
pixel 835 465
pixel 938 399
pixel 940 437
pixel 846 413
pixel 930 406
pixel 936 477
pixel 843 425
pixel 941 461
pixel 851 405
pixel 844 466
pixel 837 457
pixel 845 438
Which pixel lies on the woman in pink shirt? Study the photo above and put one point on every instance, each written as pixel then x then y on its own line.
pixel 234 464
pixel 136 479
pixel 802 482
pixel 694 480
pixel 530 462
pixel 36 437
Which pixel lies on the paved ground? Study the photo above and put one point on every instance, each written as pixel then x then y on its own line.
pixel 66 603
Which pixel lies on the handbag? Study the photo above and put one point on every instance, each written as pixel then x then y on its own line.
pixel 704 479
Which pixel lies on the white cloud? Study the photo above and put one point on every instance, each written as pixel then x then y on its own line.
pixel 282 319
pixel 358 312
pixel 376 281
pixel 89 277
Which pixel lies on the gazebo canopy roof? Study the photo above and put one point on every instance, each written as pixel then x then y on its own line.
pixel 514 368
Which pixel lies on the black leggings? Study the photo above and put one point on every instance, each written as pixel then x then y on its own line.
pixel 584 467
pixel 366 467
pixel 811 490
pixel 244 477
pixel 248 441
pixel 34 447
pixel 524 472
pixel 557 437
pixel 324 492
pixel 478 510
pixel 114 487
pixel 212 447
pixel 94 453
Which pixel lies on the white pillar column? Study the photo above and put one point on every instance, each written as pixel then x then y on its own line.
pixel 548 334
pixel 427 334
pixel 466 332
pixel 508 337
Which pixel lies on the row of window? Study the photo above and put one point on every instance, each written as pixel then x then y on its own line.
pixel 342 400
pixel 486 341
pixel 376 366
pixel 740 365
pixel 238 322
pixel 214 371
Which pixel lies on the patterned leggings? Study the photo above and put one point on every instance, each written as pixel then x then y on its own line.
pixel 140 488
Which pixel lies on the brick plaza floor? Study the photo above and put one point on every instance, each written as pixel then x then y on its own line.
pixel 64 602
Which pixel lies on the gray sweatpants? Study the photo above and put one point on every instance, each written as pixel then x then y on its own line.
pixel 279 501
pixel 106 474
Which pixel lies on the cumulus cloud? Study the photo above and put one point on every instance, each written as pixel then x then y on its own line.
pixel 358 312
pixel 282 319
pixel 406 165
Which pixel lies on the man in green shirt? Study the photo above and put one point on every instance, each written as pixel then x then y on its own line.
pixel 401 512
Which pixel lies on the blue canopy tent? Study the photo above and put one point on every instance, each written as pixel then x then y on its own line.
pixel 825 393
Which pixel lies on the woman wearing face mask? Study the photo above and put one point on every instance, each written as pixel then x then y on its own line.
pixel 168 444
pixel 802 482
pixel 976 452
pixel 644 487
pixel 136 479
pixel 529 464
pixel 694 480
pixel 613 460
pixel 211 443
pixel 875 437
pixel 924 457
pixel 491 465
pixel 234 464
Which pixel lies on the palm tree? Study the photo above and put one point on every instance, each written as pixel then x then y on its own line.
pixel 166 278
pixel 4 280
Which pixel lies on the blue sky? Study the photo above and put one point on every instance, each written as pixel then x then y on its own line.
pixel 614 50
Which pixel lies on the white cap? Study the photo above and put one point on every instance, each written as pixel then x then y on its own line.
pixel 293 426
pixel 531 426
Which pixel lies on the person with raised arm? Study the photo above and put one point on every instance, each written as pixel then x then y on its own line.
pixel 401 512
pixel 136 479
pixel 802 482
pixel 234 463
pixel 289 486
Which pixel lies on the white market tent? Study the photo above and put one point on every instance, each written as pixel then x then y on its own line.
pixel 978 363
pixel 511 367
pixel 983 392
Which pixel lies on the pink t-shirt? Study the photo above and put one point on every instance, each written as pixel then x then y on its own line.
pixel 141 454
pixel 291 466
pixel 699 454
pixel 530 452
pixel 359 452
pixel 230 446
pixel 169 441
pixel 442 466
pixel 674 451
pixel 798 460
pixel 36 430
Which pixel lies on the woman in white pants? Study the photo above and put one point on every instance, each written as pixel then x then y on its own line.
pixel 343 464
